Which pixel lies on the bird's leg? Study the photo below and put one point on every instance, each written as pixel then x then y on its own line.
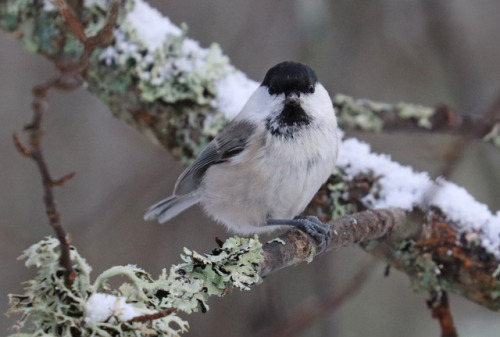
pixel 310 225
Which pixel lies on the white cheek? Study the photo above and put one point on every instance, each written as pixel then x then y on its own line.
pixel 319 105
pixel 259 106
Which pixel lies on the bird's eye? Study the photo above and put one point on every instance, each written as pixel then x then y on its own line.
pixel 311 89
pixel 271 90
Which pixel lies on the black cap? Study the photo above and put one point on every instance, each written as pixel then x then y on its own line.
pixel 287 77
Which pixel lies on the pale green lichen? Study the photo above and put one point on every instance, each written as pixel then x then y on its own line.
pixel 177 70
pixel 172 82
pixel 420 113
pixel 39 26
pixel 423 271
pixel 54 309
pixel 496 273
pixel 40 303
pixel 494 135
pixel 358 113
pixel 426 274
pixel 365 114
pixel 339 196
pixel 337 190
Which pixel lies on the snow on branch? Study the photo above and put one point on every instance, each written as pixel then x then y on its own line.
pixel 181 95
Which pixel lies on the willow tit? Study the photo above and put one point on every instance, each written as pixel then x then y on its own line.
pixel 264 168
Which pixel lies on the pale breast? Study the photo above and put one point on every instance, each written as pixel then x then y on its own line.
pixel 270 179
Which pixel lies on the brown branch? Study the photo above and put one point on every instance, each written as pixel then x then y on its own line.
pixel 61 181
pixel 463 264
pixel 308 313
pixel 151 317
pixel 20 146
pixel 105 36
pixel 35 152
pixel 71 19
pixel 403 117
pixel 68 79
pixel 101 39
pixel 440 307
pixel 295 246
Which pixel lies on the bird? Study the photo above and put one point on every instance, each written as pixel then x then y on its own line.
pixel 262 170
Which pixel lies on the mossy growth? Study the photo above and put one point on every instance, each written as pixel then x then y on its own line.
pixel 493 136
pixel 420 113
pixel 359 114
pixel 348 195
pixel 337 189
pixel 53 309
pixel 40 27
pixel 163 85
pixel 422 269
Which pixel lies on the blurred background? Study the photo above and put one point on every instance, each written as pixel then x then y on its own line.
pixel 424 52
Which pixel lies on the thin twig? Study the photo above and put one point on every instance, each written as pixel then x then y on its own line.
pixel 61 181
pixel 151 317
pixel 101 39
pixel 441 311
pixel 353 113
pixel 34 128
pixel 20 146
pixel 68 79
pixel 71 19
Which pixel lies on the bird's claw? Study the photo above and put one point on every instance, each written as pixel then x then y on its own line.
pixel 310 225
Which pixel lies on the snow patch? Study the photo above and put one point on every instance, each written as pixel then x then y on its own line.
pixel 233 92
pixel 400 186
pixel 104 307
pixel 151 26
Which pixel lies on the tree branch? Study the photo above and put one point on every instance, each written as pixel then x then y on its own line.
pixel 440 307
pixel 367 115
pixel 181 95
pixel 35 152
pixel 68 79
pixel 295 246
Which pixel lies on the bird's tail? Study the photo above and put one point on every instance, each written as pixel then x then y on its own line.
pixel 170 207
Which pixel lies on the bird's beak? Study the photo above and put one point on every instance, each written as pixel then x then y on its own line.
pixel 292 97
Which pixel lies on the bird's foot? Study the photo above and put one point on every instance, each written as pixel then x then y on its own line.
pixel 310 225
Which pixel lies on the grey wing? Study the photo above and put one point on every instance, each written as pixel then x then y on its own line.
pixel 230 142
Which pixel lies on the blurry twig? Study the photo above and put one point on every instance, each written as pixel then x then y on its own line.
pixel 439 305
pixel 35 152
pixel 308 313
pixel 67 79
pixel 439 300
pixel 368 115
pixel 152 317
pixel 448 40
pixel 456 148
pixel 101 39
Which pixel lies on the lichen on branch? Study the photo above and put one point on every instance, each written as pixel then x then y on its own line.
pixel 130 77
pixel 141 304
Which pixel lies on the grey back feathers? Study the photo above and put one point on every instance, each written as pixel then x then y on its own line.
pixel 229 143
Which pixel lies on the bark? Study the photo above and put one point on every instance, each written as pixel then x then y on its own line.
pixel 433 251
